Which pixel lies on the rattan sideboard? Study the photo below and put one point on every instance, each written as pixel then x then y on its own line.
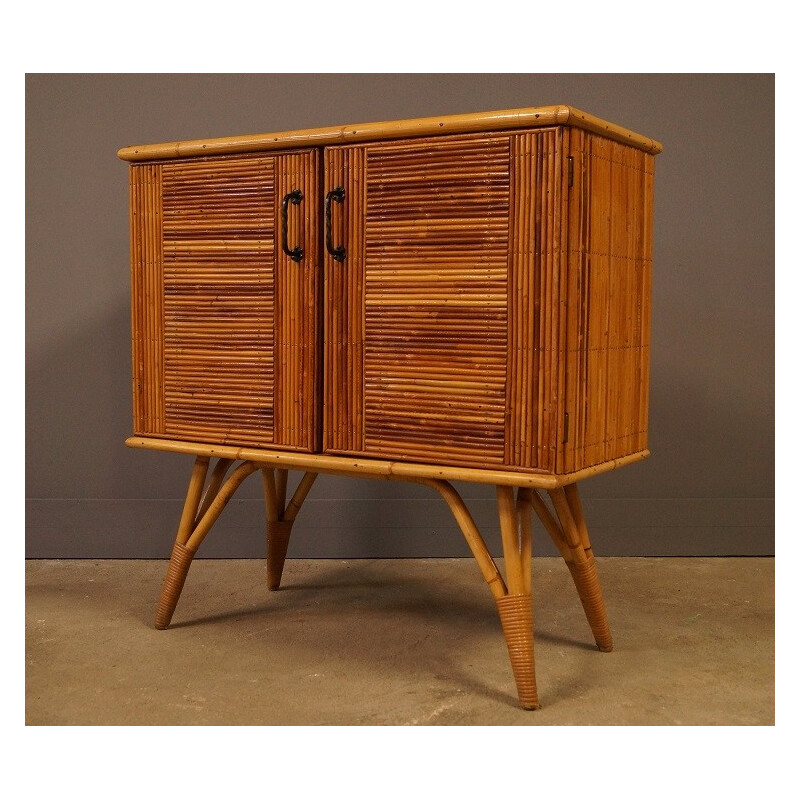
pixel 449 298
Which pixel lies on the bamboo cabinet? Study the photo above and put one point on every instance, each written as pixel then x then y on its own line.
pixel 454 298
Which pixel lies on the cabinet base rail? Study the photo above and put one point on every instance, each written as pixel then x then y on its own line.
pixel 207 496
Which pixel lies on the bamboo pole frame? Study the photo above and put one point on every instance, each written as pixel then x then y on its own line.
pixel 542 377
pixel 512 593
pixel 510 119
pixel 569 532
pixel 378 468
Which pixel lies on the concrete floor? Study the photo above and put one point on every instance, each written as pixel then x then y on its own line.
pixel 395 642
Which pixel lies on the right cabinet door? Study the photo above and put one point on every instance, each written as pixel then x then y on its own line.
pixel 442 269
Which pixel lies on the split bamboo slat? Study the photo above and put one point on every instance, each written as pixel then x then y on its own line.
pixel 343 306
pixel 297 305
pixel 219 299
pixel 535 265
pixel 147 299
pixel 435 299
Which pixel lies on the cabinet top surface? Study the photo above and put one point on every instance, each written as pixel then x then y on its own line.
pixel 484 121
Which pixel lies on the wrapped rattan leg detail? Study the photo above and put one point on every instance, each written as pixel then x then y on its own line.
pixel 587 583
pixel 278 534
pixel 516 617
pixel 173 584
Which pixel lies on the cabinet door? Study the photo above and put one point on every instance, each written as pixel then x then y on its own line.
pixel 225 300
pixel 440 304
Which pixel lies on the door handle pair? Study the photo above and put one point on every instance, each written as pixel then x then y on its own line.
pixel 295 198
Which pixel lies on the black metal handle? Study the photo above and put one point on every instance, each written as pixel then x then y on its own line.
pixel 293 197
pixel 337 194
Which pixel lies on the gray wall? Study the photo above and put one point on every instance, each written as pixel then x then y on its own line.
pixel 707 488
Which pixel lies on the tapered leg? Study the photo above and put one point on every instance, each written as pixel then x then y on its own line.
pixel 585 576
pixel 178 568
pixel 181 558
pixel 587 582
pixel 516 608
pixel 513 595
pixel 570 534
pixel 196 521
pixel 280 519
pixel 278 534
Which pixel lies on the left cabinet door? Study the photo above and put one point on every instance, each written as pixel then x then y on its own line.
pixel 225 282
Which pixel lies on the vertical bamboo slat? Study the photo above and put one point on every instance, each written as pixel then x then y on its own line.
pixel 535 328
pixel 520 298
pixel 343 304
pixel 547 444
pixel 297 304
pixel 561 295
pixel 147 283
pixel 521 429
pixel 585 185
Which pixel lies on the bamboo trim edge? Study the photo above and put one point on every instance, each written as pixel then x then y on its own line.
pixel 503 120
pixel 377 468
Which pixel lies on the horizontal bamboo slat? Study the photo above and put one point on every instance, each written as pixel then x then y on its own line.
pixel 426 315
pixel 511 119
pixel 219 299
pixel 224 322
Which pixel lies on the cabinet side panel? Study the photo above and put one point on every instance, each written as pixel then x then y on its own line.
pixel 534 324
pixel 609 278
pixel 219 258
pixel 296 304
pixel 344 304
pixel 147 284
